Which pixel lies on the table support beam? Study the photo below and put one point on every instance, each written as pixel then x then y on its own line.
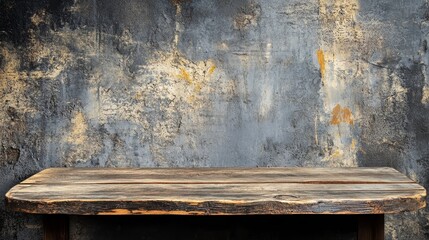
pixel 371 227
pixel 56 227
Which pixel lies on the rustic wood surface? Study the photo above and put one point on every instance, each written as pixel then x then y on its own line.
pixel 216 191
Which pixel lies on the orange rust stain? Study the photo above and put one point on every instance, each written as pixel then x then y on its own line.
pixel 341 115
pixel 212 69
pixel 347 116
pixel 185 75
pixel 336 115
pixel 321 60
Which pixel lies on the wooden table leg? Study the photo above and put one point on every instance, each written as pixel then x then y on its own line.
pixel 371 227
pixel 56 227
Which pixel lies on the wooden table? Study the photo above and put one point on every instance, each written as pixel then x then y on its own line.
pixel 367 193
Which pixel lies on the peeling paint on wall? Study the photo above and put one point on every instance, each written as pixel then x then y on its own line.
pixel 341 115
pixel 341 39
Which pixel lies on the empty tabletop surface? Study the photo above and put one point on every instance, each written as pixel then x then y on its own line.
pixel 216 191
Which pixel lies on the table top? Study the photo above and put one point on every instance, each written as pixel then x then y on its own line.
pixel 216 191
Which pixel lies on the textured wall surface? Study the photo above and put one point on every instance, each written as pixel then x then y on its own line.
pixel 148 83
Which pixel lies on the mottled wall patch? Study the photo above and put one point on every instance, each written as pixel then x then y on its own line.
pixel 247 16
pixel 78 130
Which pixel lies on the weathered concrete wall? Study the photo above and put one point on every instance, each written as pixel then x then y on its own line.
pixel 213 83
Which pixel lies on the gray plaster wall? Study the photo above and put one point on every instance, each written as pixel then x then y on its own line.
pixel 181 83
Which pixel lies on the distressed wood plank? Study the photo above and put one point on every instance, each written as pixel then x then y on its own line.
pixel 217 191
pixel 218 175
pixel 213 192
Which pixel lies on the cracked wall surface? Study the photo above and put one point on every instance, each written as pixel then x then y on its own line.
pixel 199 83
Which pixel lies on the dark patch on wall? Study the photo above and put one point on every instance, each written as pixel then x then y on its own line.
pixel 9 155
pixel 247 16
pixel 424 164
pixel 418 115
pixel 12 113
pixel 15 20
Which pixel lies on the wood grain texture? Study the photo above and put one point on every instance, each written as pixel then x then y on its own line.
pixel 216 191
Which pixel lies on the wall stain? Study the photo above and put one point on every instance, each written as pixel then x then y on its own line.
pixel 321 60
pixel 248 16
pixel 9 155
pixel 14 83
pixel 425 95
pixel 185 76
pixel 341 115
pixel 341 42
pixel 38 17
pixel 212 69
pixel 167 99
pixel 353 144
pixel 78 132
